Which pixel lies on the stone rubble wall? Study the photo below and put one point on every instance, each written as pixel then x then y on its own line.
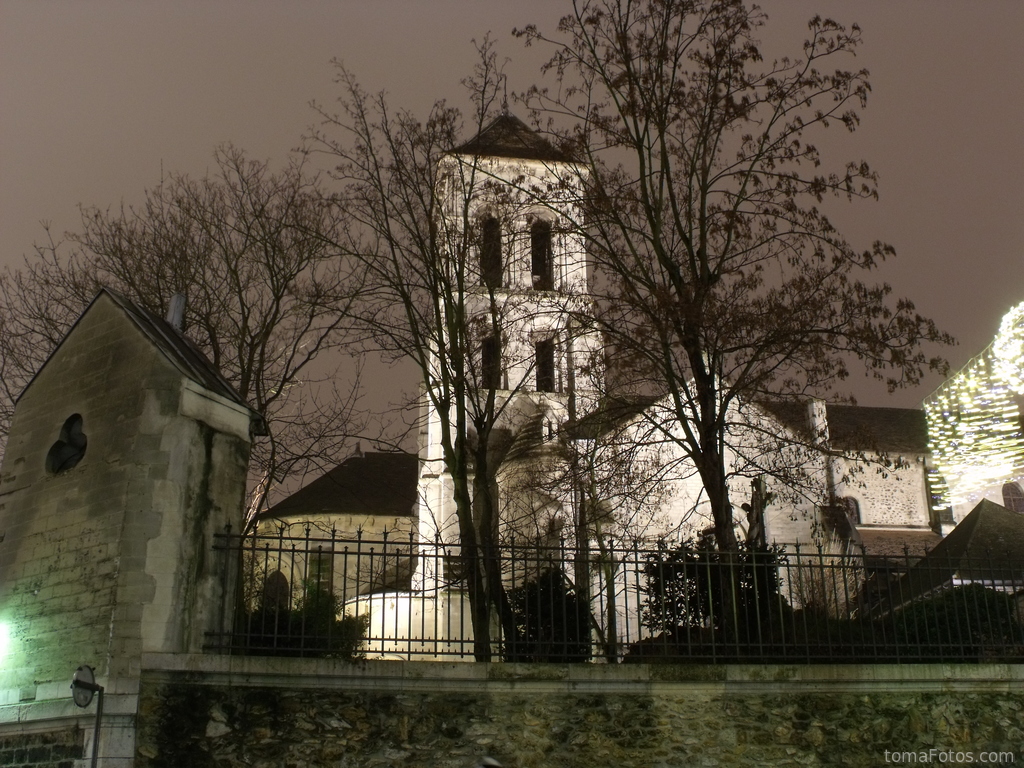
pixel 532 716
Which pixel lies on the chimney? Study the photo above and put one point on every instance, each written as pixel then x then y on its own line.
pixel 176 311
pixel 818 420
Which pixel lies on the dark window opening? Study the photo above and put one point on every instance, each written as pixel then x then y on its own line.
pixel 852 509
pixel 490 252
pixel 540 251
pixel 321 571
pixel 276 594
pixel 490 363
pixel 69 448
pixel 1013 498
pixel 545 363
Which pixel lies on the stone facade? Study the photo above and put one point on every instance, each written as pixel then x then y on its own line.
pixel 886 478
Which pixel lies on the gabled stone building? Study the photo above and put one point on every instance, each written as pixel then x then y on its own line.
pixel 127 452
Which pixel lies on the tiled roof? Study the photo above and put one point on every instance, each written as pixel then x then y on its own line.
pixel 884 429
pixel 508 136
pixel 898 545
pixel 856 427
pixel 364 484
pixel 610 413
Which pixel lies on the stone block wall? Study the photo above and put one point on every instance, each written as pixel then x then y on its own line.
pixel 53 749
pixel 894 498
pixel 531 716
pixel 65 549
pixel 110 558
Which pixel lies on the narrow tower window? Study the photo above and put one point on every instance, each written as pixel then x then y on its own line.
pixel 321 571
pixel 540 250
pixel 490 252
pixel 545 363
pixel 490 363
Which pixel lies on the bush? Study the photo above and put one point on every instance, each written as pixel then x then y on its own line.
pixel 552 622
pixel 312 628
pixel 685 588
pixel 971 621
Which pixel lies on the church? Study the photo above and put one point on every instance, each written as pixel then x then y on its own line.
pixel 546 367
pixel 859 479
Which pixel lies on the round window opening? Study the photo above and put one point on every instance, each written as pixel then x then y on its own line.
pixel 69 448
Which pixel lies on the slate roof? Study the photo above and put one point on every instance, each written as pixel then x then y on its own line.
pixel 176 347
pixel 363 484
pixel 857 427
pixel 986 546
pixel 508 136
pixel 172 344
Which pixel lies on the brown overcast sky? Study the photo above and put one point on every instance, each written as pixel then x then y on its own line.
pixel 96 97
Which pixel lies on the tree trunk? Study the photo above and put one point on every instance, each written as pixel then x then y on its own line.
pixel 472 563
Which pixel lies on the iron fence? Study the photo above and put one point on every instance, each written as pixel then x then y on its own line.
pixel 400 598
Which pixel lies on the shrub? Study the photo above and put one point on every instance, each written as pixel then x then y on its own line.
pixel 685 588
pixel 552 622
pixel 312 628
pixel 971 621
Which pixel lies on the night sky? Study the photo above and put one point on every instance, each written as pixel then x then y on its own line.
pixel 97 97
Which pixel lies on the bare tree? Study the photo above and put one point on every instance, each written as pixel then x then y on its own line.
pixel 726 281
pixel 267 295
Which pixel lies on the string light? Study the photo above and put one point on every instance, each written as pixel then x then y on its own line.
pixel 974 420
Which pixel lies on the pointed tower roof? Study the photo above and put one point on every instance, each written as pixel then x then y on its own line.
pixel 508 136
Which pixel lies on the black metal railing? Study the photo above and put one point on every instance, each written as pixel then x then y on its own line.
pixel 396 597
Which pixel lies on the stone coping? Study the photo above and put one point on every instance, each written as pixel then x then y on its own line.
pixel 428 676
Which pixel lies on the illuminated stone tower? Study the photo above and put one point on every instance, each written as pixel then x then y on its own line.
pixel 529 259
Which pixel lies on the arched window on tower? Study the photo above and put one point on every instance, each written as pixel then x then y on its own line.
pixel 545 363
pixel 1013 498
pixel 490 363
pixel 490 252
pixel 540 256
pixel 851 507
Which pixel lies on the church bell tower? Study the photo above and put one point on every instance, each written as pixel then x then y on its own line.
pixel 527 277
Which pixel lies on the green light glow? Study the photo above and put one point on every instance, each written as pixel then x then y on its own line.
pixel 5 640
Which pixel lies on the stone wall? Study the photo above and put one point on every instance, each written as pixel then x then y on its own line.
pixel 64 550
pixel 110 557
pixel 588 716
pixel 896 497
pixel 54 749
